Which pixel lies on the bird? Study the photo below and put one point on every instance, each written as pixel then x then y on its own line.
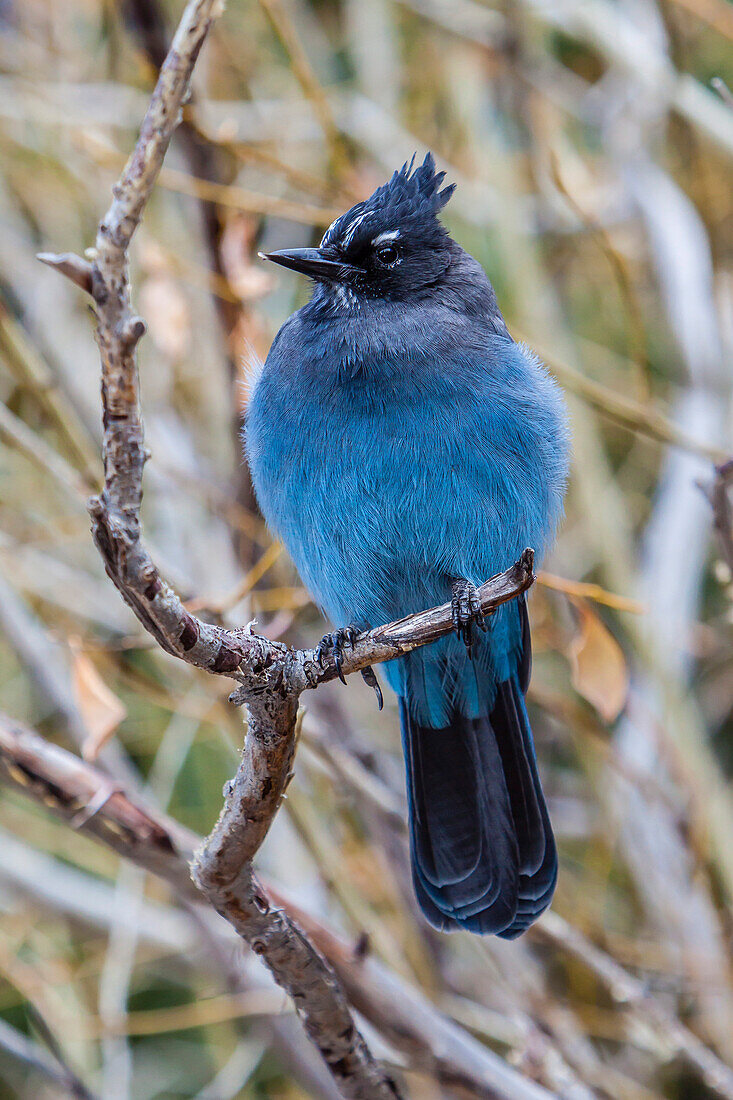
pixel 405 449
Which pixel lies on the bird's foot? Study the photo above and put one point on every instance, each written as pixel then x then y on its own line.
pixel 333 644
pixel 466 611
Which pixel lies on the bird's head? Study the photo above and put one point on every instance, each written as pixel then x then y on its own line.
pixel 389 246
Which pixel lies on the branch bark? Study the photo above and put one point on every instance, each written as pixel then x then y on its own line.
pixel 71 788
pixel 148 23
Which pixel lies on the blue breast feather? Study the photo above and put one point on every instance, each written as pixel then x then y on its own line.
pixel 389 476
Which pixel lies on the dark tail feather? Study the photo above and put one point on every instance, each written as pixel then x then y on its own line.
pixel 483 853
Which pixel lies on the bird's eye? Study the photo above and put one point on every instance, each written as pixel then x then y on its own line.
pixel 388 255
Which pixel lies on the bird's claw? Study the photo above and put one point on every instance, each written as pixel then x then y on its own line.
pixel 466 611
pixel 333 645
pixel 369 677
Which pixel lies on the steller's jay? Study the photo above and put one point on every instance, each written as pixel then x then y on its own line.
pixel 405 448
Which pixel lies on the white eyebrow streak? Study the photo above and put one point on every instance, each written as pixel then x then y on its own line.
pixel 353 228
pixel 390 235
pixel 329 230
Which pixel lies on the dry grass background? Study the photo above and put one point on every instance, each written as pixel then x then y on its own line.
pixel 593 159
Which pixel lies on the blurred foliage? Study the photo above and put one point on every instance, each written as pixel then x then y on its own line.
pixel 594 171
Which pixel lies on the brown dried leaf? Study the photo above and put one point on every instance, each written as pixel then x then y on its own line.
pixel 100 708
pixel 599 670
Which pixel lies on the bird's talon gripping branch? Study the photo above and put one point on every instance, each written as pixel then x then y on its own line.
pixel 466 611
pixel 333 644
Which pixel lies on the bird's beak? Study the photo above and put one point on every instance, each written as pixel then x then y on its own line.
pixel 311 262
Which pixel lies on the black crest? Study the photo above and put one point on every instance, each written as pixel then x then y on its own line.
pixel 412 197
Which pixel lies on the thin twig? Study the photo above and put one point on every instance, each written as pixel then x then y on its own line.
pixel 629 993
pixel 73 267
pixel 34 1057
pixel 589 591
pixel 34 447
pixel 304 74
pixel 720 501
pixel 32 372
pixel 630 414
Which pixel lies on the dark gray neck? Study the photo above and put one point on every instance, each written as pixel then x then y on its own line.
pixel 354 334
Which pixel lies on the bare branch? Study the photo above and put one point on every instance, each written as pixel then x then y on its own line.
pixel 70 265
pixel 66 785
pixel 223 869
pixel 384 643
pixel 719 496
pixel 271 677
pixel 62 782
